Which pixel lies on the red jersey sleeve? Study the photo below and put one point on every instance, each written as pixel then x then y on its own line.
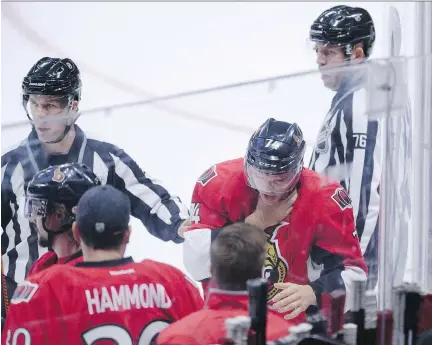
pixel 336 244
pixel 206 216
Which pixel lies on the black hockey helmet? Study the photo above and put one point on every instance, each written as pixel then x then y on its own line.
pixel 276 148
pixel 344 26
pixel 53 194
pixel 60 80
pixel 53 76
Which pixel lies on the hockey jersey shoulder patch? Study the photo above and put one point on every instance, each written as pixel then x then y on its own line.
pixel 24 292
pixel 208 175
pixel 341 198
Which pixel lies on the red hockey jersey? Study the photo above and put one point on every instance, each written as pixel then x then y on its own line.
pixel 207 326
pixel 321 226
pixel 98 303
pixel 50 258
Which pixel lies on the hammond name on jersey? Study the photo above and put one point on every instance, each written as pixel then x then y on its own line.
pixel 127 297
pixel 51 96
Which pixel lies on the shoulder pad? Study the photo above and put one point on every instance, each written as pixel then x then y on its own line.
pixel 208 175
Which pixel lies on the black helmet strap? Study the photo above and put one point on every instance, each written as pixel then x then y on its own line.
pixel 51 234
pixel 64 228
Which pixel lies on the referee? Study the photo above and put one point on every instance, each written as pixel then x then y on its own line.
pixel 348 148
pixel 51 96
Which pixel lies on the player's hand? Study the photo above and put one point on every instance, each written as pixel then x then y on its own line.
pixel 266 215
pixel 293 297
pixel 183 227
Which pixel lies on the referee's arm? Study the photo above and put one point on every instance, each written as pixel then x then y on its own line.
pixel 8 208
pixel 160 212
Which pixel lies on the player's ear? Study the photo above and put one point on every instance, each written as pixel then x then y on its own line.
pixel 75 106
pixel 127 235
pixel 358 52
pixel 75 233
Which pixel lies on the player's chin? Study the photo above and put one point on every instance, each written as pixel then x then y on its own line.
pixel 271 199
pixel 49 134
pixel 329 82
pixel 43 242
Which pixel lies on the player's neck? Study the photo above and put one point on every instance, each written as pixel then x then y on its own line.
pixel 92 255
pixel 64 145
pixel 231 287
pixel 63 246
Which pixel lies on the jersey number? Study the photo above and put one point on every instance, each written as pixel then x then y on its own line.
pixel 20 334
pixel 194 212
pixel 120 335
pixel 360 141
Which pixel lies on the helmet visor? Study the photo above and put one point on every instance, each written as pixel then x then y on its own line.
pixel 47 218
pixel 272 184
pixel 43 109
pixel 35 207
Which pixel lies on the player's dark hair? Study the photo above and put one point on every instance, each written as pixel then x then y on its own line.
pixel 103 241
pixel 237 254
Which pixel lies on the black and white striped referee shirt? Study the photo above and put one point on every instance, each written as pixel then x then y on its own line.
pixel 160 212
pixel 348 149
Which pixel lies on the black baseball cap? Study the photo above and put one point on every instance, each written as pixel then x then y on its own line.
pixel 103 211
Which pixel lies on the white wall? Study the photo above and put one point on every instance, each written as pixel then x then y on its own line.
pixel 127 51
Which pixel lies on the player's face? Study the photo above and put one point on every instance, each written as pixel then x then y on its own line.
pixel 271 187
pixel 46 221
pixel 43 234
pixel 49 114
pixel 327 57
pixel 270 199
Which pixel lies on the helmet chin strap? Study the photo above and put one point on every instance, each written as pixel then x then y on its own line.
pixel 61 137
pixel 65 131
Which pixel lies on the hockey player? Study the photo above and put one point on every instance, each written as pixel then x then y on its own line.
pixel 107 298
pixel 300 216
pixel 51 97
pixel 348 147
pixel 237 255
pixel 52 197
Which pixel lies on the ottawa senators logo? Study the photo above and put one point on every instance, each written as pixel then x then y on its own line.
pixel 208 175
pixel 297 139
pixel 342 199
pixel 275 266
pixel 59 176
